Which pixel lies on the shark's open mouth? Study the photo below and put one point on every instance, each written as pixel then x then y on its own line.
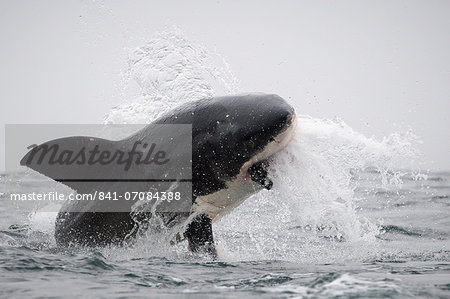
pixel 258 173
pixel 259 165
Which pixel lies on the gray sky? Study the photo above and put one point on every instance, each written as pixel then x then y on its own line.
pixel 381 66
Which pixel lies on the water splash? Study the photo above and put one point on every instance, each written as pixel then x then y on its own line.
pixel 311 213
pixel 171 70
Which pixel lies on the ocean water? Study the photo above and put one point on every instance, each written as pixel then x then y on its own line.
pixel 348 216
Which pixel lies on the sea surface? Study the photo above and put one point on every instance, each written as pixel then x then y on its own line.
pixel 349 216
pixel 409 256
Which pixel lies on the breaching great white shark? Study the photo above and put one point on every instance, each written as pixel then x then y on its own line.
pixel 233 140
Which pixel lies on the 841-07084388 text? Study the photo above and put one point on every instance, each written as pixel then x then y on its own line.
pixel 98 195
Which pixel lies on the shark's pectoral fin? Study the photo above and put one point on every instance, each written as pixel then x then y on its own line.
pixel 200 235
pixel 68 161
